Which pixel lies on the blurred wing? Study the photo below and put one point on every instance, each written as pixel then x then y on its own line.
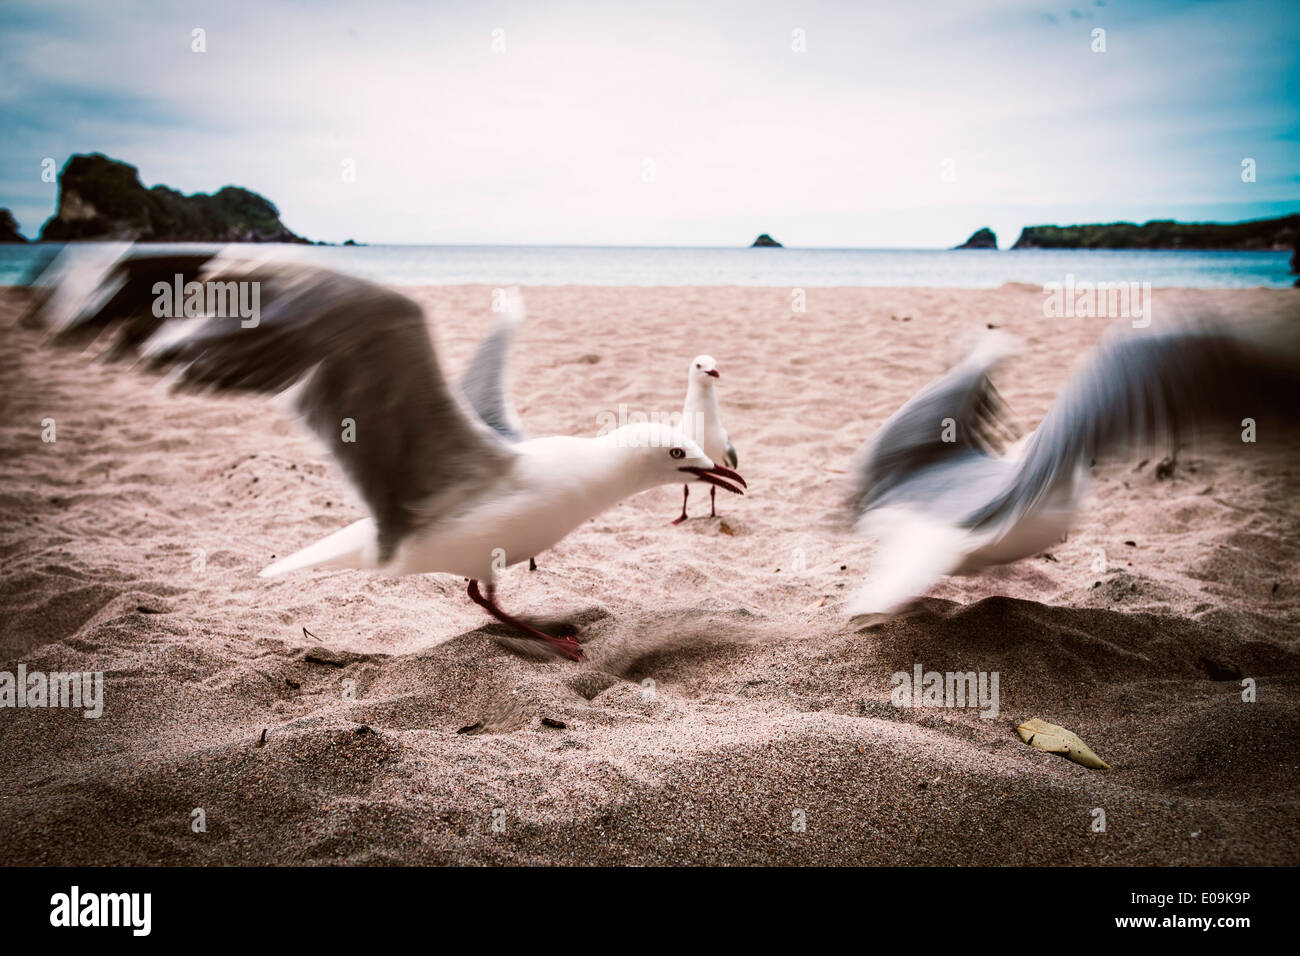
pixel 485 384
pixel 962 404
pixel 90 290
pixel 1151 391
pixel 362 371
pixel 73 283
pixel 915 552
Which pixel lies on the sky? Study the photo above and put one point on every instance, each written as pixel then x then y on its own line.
pixel 835 124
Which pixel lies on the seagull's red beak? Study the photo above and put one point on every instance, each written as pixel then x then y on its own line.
pixel 722 477
pixel 713 373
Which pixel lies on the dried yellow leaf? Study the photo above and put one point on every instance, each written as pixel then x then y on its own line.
pixel 1057 740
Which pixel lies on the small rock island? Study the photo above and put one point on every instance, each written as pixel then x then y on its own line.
pixel 765 242
pixel 9 228
pixel 980 239
pixel 103 198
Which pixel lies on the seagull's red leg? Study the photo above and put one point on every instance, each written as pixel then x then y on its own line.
pixel 713 494
pixel 561 645
pixel 686 493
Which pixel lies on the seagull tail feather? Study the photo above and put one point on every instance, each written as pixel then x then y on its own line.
pixel 355 546
pixel 915 552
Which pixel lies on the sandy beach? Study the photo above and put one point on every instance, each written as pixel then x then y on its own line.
pixel 728 712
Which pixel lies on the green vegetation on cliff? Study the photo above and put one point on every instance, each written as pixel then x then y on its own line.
pixel 102 198
pixel 1279 233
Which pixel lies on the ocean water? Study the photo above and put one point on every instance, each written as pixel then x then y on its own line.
pixel 790 268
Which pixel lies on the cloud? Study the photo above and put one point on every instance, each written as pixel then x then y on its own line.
pixel 681 124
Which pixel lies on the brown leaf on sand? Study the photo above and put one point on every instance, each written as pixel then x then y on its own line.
pixel 1057 740
pixel 817 603
pixel 726 529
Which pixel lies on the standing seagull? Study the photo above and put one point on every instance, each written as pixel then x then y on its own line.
pixel 448 491
pixel 933 486
pixel 702 421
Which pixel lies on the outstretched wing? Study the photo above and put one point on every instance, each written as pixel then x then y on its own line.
pixel 358 358
pixel 956 416
pixel 1152 391
pixel 485 383
pixel 84 292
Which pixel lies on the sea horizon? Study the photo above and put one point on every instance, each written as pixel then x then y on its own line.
pixel 410 264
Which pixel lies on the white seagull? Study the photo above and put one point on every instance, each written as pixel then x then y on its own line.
pixel 449 481
pixel 702 420
pixel 934 488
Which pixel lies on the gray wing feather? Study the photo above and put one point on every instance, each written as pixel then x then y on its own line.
pixel 349 349
pixel 485 382
pixel 1150 392
pixel 911 441
pixel 83 301
pixel 733 460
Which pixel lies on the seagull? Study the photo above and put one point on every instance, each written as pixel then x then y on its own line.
pixel 451 482
pixel 934 487
pixel 702 420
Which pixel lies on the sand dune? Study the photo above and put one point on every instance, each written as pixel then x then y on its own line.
pixel 726 697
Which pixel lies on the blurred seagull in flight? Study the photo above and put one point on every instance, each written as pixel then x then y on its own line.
pixel 702 420
pixel 450 480
pixel 934 488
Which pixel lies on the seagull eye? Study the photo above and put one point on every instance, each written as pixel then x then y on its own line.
pixel 697 364
pixel 678 453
